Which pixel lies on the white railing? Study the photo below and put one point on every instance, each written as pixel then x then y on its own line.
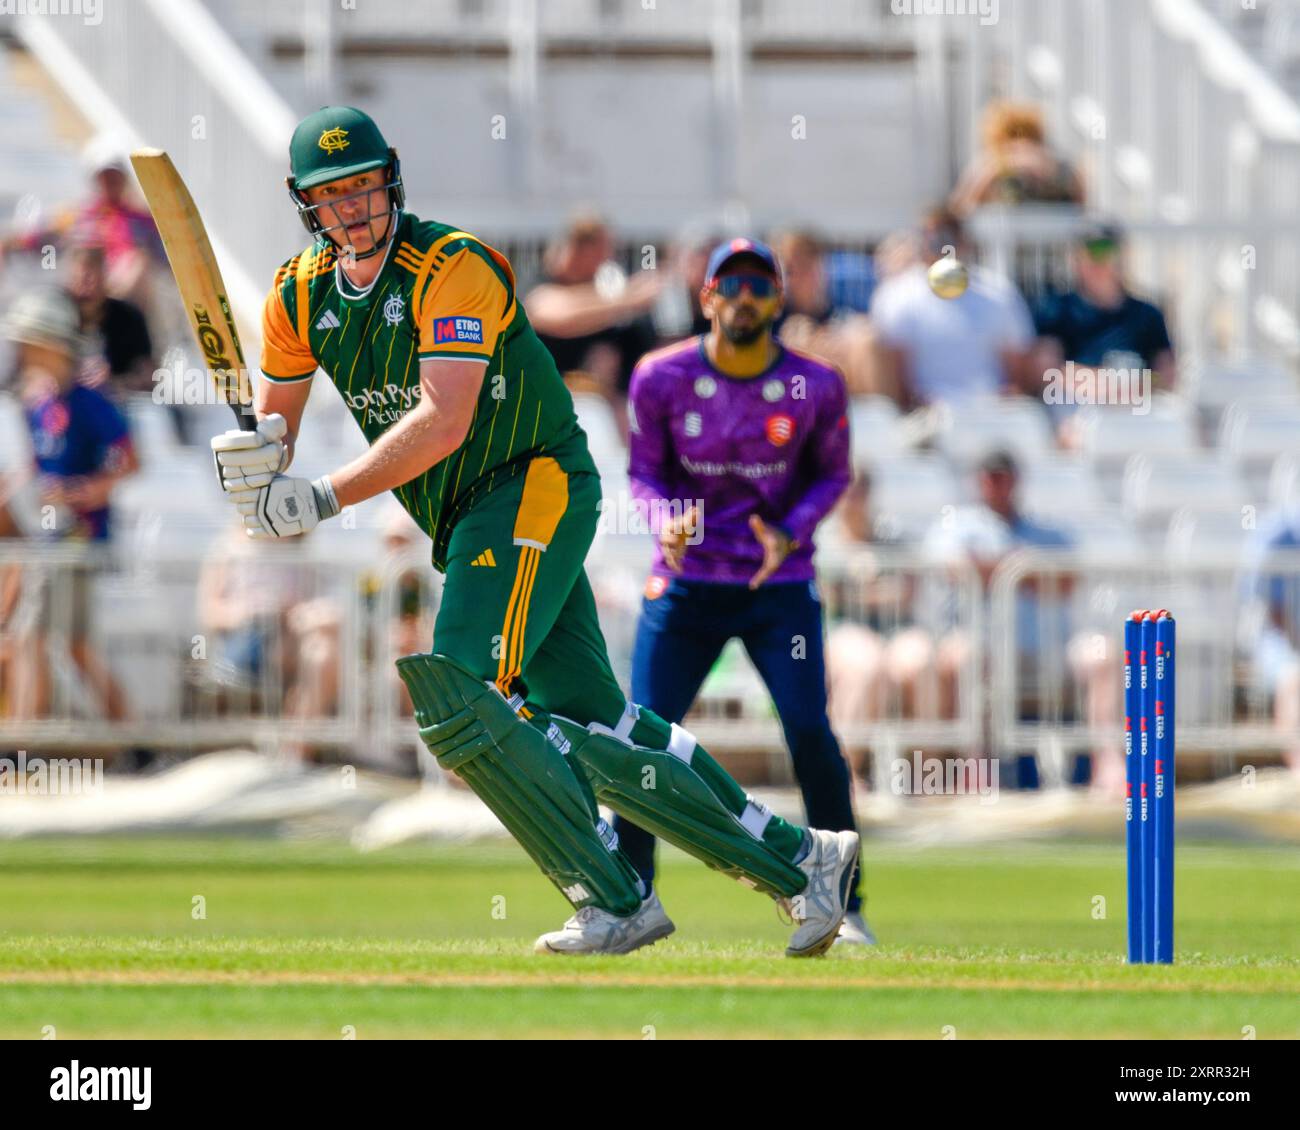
pixel 1065 697
pixel 298 653
pixel 205 648
pixel 875 595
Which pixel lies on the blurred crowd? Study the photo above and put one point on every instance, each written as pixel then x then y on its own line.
pixel 84 346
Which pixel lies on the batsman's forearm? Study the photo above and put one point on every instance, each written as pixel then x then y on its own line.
pixel 405 451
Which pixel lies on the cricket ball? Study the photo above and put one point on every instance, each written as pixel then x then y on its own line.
pixel 948 277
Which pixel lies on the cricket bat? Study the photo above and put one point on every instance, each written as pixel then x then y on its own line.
pixel 198 278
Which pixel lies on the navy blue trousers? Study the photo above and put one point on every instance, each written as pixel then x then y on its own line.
pixel 680 636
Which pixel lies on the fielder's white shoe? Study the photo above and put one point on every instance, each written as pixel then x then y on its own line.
pixel 854 931
pixel 819 908
pixel 593 930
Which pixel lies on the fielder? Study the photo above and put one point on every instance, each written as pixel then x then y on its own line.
pixel 470 425
pixel 756 436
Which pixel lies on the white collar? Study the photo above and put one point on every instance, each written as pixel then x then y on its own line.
pixel 346 287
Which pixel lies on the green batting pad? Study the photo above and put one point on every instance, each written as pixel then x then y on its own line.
pixel 661 792
pixel 522 778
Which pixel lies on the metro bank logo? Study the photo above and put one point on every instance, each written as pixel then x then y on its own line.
pixel 458 329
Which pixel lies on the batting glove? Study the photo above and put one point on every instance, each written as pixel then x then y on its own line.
pixel 250 460
pixel 286 507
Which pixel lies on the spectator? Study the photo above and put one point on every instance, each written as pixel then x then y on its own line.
pixel 678 313
pixel 984 535
pixel 82 451
pixel 1100 324
pixel 876 654
pixel 812 323
pixel 80 439
pixel 594 321
pixel 116 327
pixel 897 252
pixel 950 350
pixel 1271 625
pixel 108 220
pixel 275 638
pixel 1016 166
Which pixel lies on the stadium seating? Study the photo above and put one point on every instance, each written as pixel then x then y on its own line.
pixel 1053 488
pixel 1101 537
pixel 1110 435
pixel 1016 424
pixel 39 167
pixel 912 491
pixel 1216 385
pixel 873 424
pixel 1284 481
pixel 1199 535
pixel 1156 486
pixel 1252 435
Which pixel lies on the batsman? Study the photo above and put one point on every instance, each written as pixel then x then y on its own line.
pixel 470 425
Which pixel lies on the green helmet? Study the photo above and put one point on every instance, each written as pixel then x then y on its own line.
pixel 337 142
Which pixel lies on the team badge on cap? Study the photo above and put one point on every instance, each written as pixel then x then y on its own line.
pixel 334 140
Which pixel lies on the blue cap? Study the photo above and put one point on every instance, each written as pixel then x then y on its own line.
pixel 725 252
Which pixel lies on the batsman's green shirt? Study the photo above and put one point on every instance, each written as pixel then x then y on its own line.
pixel 441 293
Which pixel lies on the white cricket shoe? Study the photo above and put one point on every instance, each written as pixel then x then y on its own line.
pixel 854 931
pixel 593 930
pixel 819 908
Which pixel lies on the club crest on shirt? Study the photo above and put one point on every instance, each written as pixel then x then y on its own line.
pixel 705 387
pixel 773 390
pixel 779 429
pixel 654 587
pixel 394 309
pixel 692 424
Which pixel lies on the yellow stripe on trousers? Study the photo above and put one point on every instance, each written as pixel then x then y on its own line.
pixel 512 632
pixel 521 616
pixel 527 598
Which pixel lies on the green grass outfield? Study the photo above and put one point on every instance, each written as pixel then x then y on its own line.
pixel 98 938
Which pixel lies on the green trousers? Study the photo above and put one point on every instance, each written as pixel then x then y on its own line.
pixel 517 610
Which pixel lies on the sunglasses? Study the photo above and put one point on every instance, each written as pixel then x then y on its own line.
pixel 760 286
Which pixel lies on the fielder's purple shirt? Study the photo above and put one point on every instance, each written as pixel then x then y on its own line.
pixel 775 445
